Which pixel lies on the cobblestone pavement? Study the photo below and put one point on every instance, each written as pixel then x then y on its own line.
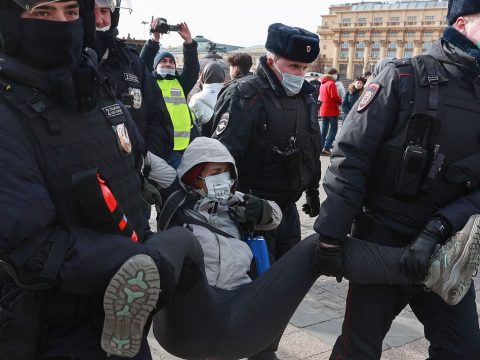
pixel 317 322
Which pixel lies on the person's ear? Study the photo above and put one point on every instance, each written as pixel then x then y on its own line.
pixel 270 61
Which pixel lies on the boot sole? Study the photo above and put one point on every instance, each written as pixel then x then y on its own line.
pixel 128 301
pixel 460 277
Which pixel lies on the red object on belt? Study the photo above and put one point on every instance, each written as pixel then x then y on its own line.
pixel 115 210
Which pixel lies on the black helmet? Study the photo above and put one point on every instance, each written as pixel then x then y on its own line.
pixel 10 10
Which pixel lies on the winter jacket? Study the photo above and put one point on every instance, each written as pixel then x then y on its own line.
pixel 329 97
pixel 202 103
pixel 227 259
pixel 350 99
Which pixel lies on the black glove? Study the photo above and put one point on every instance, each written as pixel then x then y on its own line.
pixel 416 255
pixel 150 193
pixel 312 206
pixel 328 258
pixel 254 209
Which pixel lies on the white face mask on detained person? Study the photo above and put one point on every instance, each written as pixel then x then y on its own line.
pixel 292 84
pixel 219 186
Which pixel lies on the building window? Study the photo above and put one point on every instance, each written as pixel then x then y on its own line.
pixel 411 18
pixel 429 18
pixel 410 33
pixel 427 33
pixel 426 45
pixel 392 45
pixel 343 54
pixel 377 34
pixel 345 34
pixel 359 54
pixel 360 45
pixel 346 21
pixel 344 45
pixel 391 53
pixel 393 33
pixel 395 18
pixel 362 20
pixel 408 54
pixel 375 45
pixel 409 45
pixel 324 47
pixel 361 34
pixel 377 20
pixel 374 54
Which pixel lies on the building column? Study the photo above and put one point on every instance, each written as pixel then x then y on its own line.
pixel 336 53
pixel 417 50
pixel 383 49
pixel 351 57
pixel 400 49
pixel 366 55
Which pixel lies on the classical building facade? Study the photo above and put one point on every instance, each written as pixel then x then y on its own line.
pixel 353 37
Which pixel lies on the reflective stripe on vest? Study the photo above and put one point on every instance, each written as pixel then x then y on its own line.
pixel 179 112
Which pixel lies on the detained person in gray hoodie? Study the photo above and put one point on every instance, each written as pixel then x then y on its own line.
pixel 227 258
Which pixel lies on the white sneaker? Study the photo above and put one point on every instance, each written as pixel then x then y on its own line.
pixel 453 265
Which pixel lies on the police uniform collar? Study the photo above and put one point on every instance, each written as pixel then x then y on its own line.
pixel 265 72
pixel 461 42
pixel 19 72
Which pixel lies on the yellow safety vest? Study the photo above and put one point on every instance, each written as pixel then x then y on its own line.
pixel 179 112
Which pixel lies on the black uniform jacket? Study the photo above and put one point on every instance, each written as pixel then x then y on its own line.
pixel 348 178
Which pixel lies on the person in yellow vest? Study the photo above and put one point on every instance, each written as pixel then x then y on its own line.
pixel 175 88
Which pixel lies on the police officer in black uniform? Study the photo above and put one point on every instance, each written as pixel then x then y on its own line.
pixel 134 84
pixel 269 124
pixel 63 138
pixel 406 169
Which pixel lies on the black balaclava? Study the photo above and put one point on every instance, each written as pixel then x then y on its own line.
pixel 51 44
pixel 39 43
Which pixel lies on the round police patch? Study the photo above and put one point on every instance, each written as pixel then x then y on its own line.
pixel 223 123
pixel 368 95
pixel 137 97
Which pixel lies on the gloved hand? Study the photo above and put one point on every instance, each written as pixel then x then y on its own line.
pixel 254 208
pixel 150 193
pixel 312 206
pixel 416 255
pixel 328 258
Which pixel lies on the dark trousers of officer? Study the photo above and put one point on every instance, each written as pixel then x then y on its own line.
pixel 453 331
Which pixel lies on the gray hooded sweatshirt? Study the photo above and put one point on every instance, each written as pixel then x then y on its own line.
pixel 227 259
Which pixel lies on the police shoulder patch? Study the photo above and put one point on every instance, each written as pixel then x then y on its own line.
pixel 222 123
pixel 368 95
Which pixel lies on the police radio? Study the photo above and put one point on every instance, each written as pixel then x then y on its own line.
pixel 415 161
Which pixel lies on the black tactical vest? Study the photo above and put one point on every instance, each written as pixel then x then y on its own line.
pixel 290 122
pixel 445 123
pixel 68 143
pixel 123 73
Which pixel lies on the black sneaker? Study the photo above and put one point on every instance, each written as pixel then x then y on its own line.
pixel 129 299
pixel 453 265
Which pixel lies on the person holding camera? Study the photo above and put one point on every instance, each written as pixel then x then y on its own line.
pixel 406 170
pixel 175 87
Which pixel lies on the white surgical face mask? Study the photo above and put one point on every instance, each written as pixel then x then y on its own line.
pixel 335 77
pixel 103 29
pixel 165 71
pixel 219 186
pixel 477 32
pixel 292 84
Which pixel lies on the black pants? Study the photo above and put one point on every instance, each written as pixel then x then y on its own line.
pixel 205 322
pixel 453 331
pixel 286 235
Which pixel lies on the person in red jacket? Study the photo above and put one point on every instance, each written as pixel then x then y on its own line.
pixel 329 110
